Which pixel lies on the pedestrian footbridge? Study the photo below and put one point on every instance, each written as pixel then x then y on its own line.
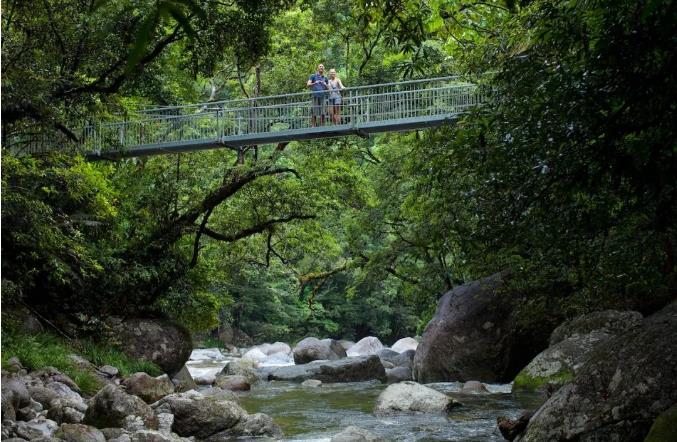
pixel 277 119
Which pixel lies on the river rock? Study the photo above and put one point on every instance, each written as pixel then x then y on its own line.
pixel 257 425
pixel 362 368
pixel 42 394
pixel 277 359
pixel 312 349
pixel 355 434
pixel 50 374
pixel 219 394
pixel 398 374
pixel 255 354
pixel 404 359
pixel 148 388
pixel 271 349
pixel 405 344
pixel 510 428
pixel 35 428
pixel 474 387
pixel 205 354
pixel 65 410
pixel 625 384
pixel 14 365
pixel 611 322
pixel 474 336
pixel 68 397
pixel 387 354
pixel 109 371
pixel 242 367
pixel 79 433
pixel 571 344
pixel 200 416
pixel 15 396
pixel 312 383
pixel 163 342
pixel 111 407
pixel 183 380
pixel 365 346
pixel 232 383
pixel 411 397
pixel 346 344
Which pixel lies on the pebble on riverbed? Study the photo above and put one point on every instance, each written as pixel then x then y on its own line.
pixel 311 383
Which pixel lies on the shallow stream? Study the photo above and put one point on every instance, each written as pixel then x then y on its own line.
pixel 316 414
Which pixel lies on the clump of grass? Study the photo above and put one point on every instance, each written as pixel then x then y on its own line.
pixel 100 355
pixel 42 350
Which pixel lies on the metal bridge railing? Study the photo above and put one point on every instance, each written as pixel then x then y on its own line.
pixel 224 121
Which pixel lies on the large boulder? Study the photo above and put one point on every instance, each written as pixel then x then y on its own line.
pixel 404 359
pixel 412 397
pixel 15 396
pixel 571 345
pixel 405 344
pixel 363 368
pixel 148 388
pixel 232 383
pixel 79 433
pixel 33 429
pixel 625 384
pixel 365 346
pixel 474 336
pixel 398 374
pixel 610 322
pixel 200 416
pixel 155 340
pixel 241 367
pixel 312 349
pixel 664 427
pixel 255 354
pixel 111 407
pixel 252 427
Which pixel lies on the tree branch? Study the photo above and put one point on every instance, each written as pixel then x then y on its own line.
pixel 258 228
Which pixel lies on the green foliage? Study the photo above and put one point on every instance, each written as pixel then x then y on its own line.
pixel 565 179
pixel 44 350
pixel 53 210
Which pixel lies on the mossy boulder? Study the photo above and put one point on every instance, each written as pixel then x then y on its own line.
pixel 624 385
pixel 570 346
pixel 664 427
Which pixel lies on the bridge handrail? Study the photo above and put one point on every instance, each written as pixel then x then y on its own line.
pixel 215 109
pixel 304 93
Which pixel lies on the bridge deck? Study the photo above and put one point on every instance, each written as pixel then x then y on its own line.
pixel 282 118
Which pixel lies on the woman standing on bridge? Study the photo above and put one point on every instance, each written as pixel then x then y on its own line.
pixel 335 88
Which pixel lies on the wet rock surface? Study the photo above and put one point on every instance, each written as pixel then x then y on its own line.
pixel 112 407
pixel 148 388
pixel 412 397
pixel 313 349
pixel 617 395
pixel 156 340
pixel 362 368
pixel 473 336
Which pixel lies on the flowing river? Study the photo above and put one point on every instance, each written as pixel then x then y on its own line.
pixel 317 414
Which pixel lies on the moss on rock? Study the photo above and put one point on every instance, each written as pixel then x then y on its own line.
pixel 526 382
pixel 664 427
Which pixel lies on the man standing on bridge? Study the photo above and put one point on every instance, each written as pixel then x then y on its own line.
pixel 318 84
